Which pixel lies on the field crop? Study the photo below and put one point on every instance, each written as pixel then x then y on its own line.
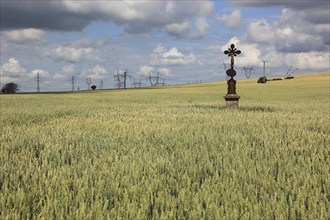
pixel 168 153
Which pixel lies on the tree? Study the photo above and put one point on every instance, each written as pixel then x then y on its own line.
pixel 262 80
pixel 93 87
pixel 10 88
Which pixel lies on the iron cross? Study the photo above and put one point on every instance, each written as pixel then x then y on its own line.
pixel 232 52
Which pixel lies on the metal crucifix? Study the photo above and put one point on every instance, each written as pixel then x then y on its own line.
pixel 231 97
pixel 232 52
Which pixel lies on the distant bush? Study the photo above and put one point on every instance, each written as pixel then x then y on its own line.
pixel 289 77
pixel 262 80
pixel 274 79
pixel 9 88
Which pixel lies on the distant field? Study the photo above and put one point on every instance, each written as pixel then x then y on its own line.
pixel 168 153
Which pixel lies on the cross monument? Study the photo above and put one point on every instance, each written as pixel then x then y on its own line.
pixel 231 97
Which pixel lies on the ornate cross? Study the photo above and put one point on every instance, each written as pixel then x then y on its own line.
pixel 232 52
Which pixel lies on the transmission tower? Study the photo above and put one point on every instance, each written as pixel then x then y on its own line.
pixel 137 84
pixel 101 84
pixel 248 71
pixel 163 83
pixel 120 79
pixel 89 82
pixel 72 82
pixel 154 80
pixel 125 77
pixel 38 82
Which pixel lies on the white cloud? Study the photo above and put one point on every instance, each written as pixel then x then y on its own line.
pixel 178 28
pixel 260 32
pixel 188 29
pixel 117 10
pixel 12 69
pixel 254 54
pixel 29 35
pixel 145 70
pixel 86 43
pixel 77 51
pixel 165 71
pixel 309 60
pixel 182 19
pixel 159 49
pixel 232 21
pixel 293 33
pixel 201 28
pixel 171 57
pixel 97 72
pixel 69 69
pixel 72 54
pixel 60 76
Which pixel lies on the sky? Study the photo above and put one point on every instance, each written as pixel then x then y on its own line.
pixel 65 41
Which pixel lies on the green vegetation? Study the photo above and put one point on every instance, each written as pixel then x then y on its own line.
pixel 168 153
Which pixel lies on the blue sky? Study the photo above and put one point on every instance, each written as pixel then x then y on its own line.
pixel 183 41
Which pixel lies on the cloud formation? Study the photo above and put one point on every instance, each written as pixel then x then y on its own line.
pixel 97 72
pixel 67 71
pixel 188 29
pixel 292 34
pixel 232 21
pixel 165 71
pixel 145 70
pixel 72 54
pixel 134 16
pixel 12 69
pixel 171 57
pixel 77 51
pixel 286 3
pixel 29 35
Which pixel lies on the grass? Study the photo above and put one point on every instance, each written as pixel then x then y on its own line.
pixel 168 153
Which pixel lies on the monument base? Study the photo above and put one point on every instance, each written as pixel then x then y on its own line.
pixel 231 101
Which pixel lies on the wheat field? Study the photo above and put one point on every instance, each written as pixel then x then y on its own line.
pixel 169 152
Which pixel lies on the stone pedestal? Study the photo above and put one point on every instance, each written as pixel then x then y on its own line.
pixel 231 101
